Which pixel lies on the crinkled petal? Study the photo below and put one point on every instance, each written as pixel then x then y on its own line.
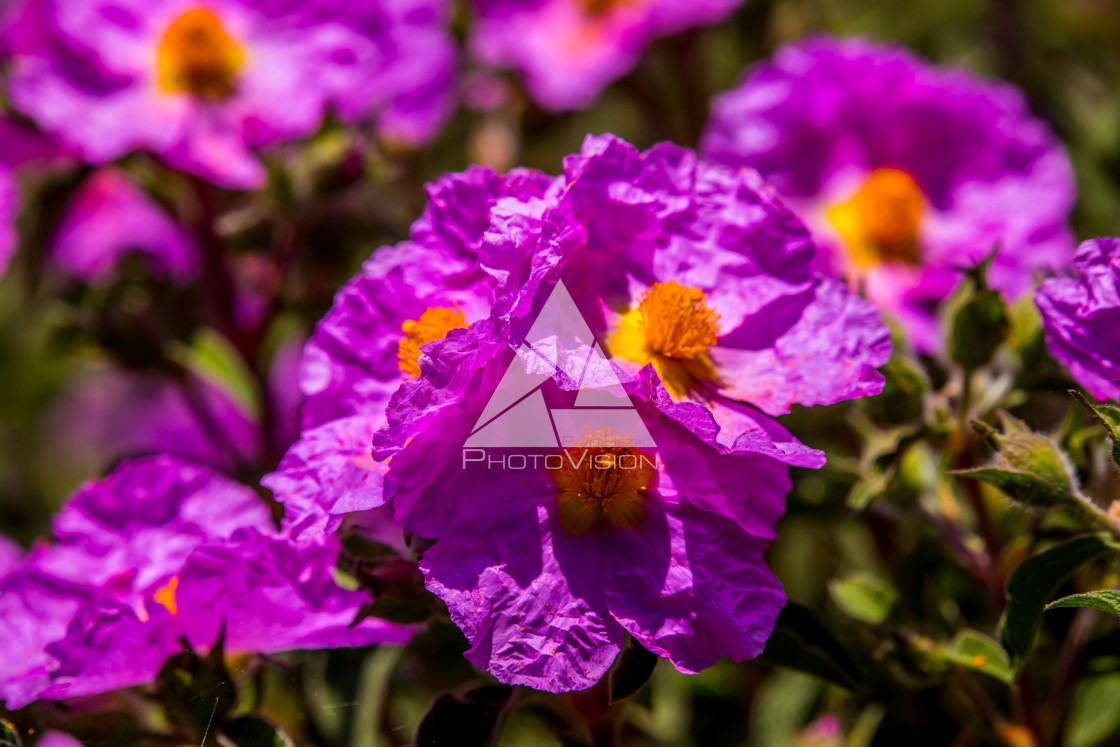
pixel 532 610
pixel 708 594
pixel 327 474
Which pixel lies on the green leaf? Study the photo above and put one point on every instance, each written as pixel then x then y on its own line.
pixel 9 737
pixel 213 356
pixel 1035 581
pixel 632 671
pixel 1023 487
pixel 863 596
pixel 976 651
pixel 253 731
pixel 1093 715
pixel 1105 600
pixel 1106 415
pixel 472 718
pixel 799 641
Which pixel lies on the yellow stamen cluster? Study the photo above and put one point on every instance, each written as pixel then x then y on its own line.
pixel 198 56
pixel 433 324
pixel 602 487
pixel 882 221
pixel 673 328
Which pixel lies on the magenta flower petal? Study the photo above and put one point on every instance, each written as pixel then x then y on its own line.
pixel 1081 316
pixel 531 620
pixel 327 474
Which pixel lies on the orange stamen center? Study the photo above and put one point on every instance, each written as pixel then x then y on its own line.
pixel 882 221
pixel 602 486
pixel 198 56
pixel 673 328
pixel 433 324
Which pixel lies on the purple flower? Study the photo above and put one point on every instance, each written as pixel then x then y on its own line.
pixel 700 286
pixel 159 551
pixel 1081 316
pixel 110 217
pixel 570 50
pixel 904 171
pixel 203 85
pixel 373 337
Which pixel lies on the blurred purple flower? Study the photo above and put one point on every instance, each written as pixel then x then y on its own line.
pixel 1081 316
pixel 203 85
pixel 109 218
pixel 904 171
pixel 371 340
pixel 159 550
pixel 103 415
pixel 570 50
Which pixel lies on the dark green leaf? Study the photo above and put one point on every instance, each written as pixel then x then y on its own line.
pixel 1035 581
pixel 1106 415
pixel 801 642
pixel 197 692
pixel 1106 600
pixel 253 731
pixel 632 670
pixel 9 737
pixel 472 719
pixel 863 596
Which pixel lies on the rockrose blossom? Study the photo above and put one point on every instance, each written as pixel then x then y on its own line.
pixel 1081 316
pixel 160 550
pixel 202 84
pixel 698 283
pixel 570 50
pixel 371 341
pixel 904 171
pixel 109 218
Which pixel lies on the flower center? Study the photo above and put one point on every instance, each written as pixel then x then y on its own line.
pixel 433 324
pixel 602 487
pixel 673 328
pixel 165 595
pixel 881 221
pixel 198 56
pixel 599 7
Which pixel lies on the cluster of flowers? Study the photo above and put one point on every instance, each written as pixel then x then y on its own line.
pixel 719 306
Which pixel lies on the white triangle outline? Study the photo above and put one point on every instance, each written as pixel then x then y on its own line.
pixel 512 417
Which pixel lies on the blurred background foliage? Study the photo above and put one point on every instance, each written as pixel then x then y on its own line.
pixel 892 556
